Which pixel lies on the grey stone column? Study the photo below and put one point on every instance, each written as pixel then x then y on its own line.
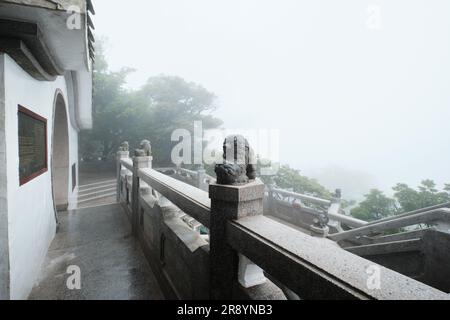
pixel 119 156
pixel 138 163
pixel 229 202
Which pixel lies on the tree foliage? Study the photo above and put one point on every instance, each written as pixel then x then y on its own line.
pixel 427 195
pixel 170 103
pixel 406 199
pixel 167 103
pixel 162 105
pixel 376 206
pixel 291 179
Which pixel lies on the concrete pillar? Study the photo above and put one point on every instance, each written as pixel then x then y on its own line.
pixel 230 202
pixel 119 156
pixel 138 163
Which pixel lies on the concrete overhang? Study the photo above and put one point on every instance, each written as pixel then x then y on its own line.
pixel 53 38
pixel 79 91
pixel 63 26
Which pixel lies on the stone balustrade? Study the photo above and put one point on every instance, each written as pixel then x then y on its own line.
pixel 225 258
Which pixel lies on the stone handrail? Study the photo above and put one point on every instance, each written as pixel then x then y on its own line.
pixel 331 207
pixel 189 199
pixel 191 173
pixel 127 163
pixel 316 268
pixel 440 206
pixel 341 218
pixel 302 197
pixel 427 217
pixel 347 220
pixel 241 238
pixel 198 179
pixel 202 180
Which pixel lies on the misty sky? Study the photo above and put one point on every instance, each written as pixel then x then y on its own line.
pixel 360 90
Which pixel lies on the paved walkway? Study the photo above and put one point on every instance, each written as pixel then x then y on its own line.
pixel 113 267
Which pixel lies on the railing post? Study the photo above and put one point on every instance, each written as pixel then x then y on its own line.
pixel 333 210
pixel 235 195
pixel 123 153
pixel 229 203
pixel 201 176
pixel 270 198
pixel 142 159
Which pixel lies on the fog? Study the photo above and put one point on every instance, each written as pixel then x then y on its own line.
pixel 358 89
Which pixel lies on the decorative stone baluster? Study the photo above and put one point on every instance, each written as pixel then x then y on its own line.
pixel 201 177
pixel 142 159
pixel 123 153
pixel 270 198
pixel 236 195
pixel 333 210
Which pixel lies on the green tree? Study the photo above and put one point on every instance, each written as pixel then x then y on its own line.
pixel 168 103
pixel 447 188
pixel 376 206
pixel 427 195
pixel 161 106
pixel 289 178
pixel 406 199
pixel 111 109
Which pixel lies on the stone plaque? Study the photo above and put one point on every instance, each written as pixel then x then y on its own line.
pixel 32 145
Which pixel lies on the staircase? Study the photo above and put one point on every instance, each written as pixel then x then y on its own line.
pixel 96 194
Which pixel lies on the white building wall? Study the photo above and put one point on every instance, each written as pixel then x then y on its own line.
pixel 4 247
pixel 31 215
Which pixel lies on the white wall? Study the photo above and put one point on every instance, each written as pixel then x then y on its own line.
pixel 31 215
pixel 4 248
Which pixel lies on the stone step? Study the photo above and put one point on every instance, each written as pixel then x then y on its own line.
pixel 96 185
pixel 96 193
pixel 96 188
pixel 95 198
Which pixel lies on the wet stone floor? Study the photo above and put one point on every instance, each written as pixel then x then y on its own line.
pixel 96 244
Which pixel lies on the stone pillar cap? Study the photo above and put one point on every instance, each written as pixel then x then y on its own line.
pixel 237 193
pixel 142 159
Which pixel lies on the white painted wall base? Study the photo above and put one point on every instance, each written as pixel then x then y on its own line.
pixel 4 246
pixel 31 215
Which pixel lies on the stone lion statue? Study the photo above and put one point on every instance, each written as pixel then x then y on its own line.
pixel 321 221
pixel 145 149
pixel 124 146
pixel 239 166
